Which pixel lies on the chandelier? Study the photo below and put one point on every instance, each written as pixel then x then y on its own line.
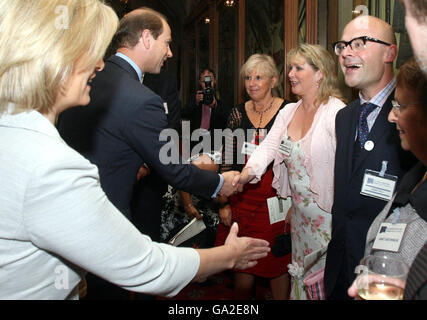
pixel 229 3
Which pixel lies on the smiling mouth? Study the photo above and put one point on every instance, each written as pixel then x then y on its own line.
pixel 399 130
pixel 353 66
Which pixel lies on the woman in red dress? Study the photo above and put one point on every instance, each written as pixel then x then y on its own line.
pixel 249 208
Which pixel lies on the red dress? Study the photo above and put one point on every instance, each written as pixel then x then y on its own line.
pixel 250 211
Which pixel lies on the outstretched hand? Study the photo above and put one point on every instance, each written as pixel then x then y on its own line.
pixel 245 177
pixel 247 250
pixel 231 183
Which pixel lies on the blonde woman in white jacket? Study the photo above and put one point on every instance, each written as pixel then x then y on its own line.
pixel 55 221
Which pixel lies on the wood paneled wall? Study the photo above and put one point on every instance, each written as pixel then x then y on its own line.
pixel 290 40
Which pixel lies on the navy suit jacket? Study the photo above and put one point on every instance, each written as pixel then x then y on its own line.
pixel 353 213
pixel 119 131
pixel 147 199
pixel 164 84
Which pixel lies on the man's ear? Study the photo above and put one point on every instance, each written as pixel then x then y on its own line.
pixel 391 54
pixel 146 38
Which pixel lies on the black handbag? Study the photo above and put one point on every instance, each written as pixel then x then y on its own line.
pixel 282 245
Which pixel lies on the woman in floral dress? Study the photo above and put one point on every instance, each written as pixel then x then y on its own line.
pixel 302 145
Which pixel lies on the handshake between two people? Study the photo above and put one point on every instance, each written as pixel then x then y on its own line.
pixel 234 181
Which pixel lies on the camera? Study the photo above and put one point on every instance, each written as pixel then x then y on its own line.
pixel 208 92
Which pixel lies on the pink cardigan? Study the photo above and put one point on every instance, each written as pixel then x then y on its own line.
pixel 318 145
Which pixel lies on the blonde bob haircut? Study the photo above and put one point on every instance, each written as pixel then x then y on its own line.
pixel 41 42
pixel 320 60
pixel 262 63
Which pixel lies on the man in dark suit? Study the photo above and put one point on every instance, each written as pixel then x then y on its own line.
pixel 147 199
pixel 366 54
pixel 119 130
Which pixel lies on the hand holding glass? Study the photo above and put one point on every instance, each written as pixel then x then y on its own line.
pixel 381 278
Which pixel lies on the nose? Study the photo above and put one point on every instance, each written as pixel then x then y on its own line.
pixel 169 54
pixel 346 51
pixel 291 72
pixel 392 117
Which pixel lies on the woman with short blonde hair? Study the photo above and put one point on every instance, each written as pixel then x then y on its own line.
pixel 262 62
pixel 250 209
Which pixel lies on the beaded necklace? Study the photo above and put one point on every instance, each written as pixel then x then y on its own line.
pixel 261 112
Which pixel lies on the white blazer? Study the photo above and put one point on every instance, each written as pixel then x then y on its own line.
pixel 55 218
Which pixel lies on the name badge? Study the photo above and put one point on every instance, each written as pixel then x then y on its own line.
pixel 165 105
pixel 389 237
pixel 248 148
pixel 377 185
pixel 278 208
pixel 285 147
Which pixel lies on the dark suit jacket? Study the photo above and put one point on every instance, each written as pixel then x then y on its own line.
pixel 119 131
pixel 164 84
pixel 147 199
pixel 218 119
pixel 353 213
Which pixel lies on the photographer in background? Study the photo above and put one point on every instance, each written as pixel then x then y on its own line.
pixel 206 110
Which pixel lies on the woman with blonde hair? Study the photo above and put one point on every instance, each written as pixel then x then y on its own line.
pixel 301 145
pixel 55 220
pixel 249 209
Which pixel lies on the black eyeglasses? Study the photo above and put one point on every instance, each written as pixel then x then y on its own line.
pixel 356 44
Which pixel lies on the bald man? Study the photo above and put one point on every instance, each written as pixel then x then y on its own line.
pixel 365 139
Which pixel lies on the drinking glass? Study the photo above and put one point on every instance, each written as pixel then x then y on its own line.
pixel 381 277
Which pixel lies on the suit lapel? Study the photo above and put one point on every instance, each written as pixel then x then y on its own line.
pixel 381 127
pixel 354 113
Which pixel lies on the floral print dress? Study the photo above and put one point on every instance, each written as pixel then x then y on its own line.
pixel 310 225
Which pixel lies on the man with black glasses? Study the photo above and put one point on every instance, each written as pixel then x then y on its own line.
pixel 369 161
